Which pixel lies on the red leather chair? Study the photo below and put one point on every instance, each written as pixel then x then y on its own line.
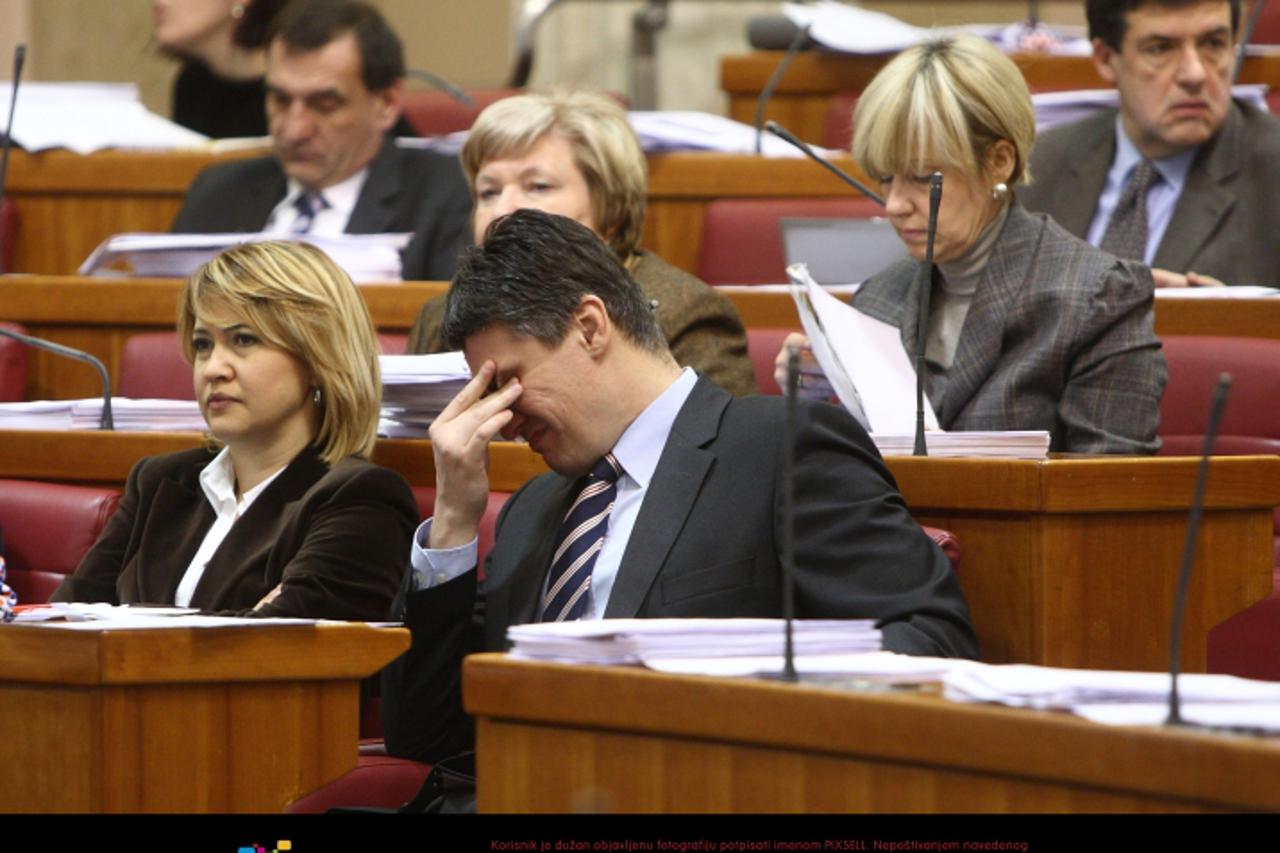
pixel 762 347
pixel 837 124
pixel 47 529
pixel 432 112
pixel 13 367
pixel 8 231
pixel 392 343
pixel 1248 644
pixel 1268 29
pixel 741 240
pixel 152 366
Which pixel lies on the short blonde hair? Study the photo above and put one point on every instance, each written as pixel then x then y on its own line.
pixel 605 150
pixel 944 103
pixel 300 301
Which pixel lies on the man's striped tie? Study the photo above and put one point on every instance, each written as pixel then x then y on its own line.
pixel 580 539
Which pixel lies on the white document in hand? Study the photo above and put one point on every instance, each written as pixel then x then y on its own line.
pixel 862 357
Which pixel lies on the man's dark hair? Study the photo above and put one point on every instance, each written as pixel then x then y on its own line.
pixel 307 25
pixel 530 275
pixel 1107 17
pixel 254 28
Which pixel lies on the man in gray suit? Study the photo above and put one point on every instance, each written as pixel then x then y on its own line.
pixel 687 478
pixel 334 77
pixel 1209 201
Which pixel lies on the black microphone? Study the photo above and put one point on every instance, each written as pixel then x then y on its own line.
pixel 786 136
pixel 442 84
pixel 927 273
pixel 775 78
pixel 79 355
pixel 1189 548
pixel 788 516
pixel 19 57
pixel 1033 14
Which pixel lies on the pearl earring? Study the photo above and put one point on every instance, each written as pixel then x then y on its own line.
pixel 999 191
pixel 237 11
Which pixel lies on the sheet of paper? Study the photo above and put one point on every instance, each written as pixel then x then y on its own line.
pixel 87 117
pixel 862 357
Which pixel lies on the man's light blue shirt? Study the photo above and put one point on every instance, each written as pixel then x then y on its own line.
pixel 637 451
pixel 1162 196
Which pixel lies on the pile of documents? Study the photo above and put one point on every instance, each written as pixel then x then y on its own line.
pixel 416 388
pixel 686 130
pixel 104 617
pixel 1120 698
pixel 365 257
pixel 87 117
pixel 641 641
pixel 867 367
pixel 86 414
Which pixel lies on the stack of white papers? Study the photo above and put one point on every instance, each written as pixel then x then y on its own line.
pixel 1119 698
pixel 1006 444
pixel 416 388
pixel 674 130
pixel 873 378
pixel 1235 291
pixel 1054 108
pixel 365 257
pixel 86 414
pixel 87 117
pixel 99 617
pixel 635 641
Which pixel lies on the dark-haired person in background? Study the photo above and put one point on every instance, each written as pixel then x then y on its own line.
pixel 567 353
pixel 334 78
pixel 222 44
pixel 1193 172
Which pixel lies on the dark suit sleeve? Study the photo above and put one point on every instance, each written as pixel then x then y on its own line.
pixel 193 218
pixel 1111 400
pixel 442 226
pixel 95 578
pixel 859 553
pixel 351 557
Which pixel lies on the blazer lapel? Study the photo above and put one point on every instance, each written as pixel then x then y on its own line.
pixel 669 500
pixel 375 209
pixel 1088 172
pixel 163 558
pixel 1205 198
pixel 260 198
pixel 980 338
pixel 266 513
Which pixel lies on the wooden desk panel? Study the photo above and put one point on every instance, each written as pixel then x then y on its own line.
pixel 69 203
pixel 98 315
pixel 554 738
pixel 800 100
pixel 183 720
pixel 1069 562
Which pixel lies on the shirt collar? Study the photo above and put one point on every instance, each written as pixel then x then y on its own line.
pixel 341 196
pixel 640 446
pixel 218 480
pixel 1173 169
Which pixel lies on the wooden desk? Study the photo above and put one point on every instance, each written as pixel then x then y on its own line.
pixel 182 720
pixel 554 738
pixel 800 101
pixel 1069 562
pixel 98 315
pixel 69 203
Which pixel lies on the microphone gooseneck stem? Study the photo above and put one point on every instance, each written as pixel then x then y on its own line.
pixel 927 271
pixel 771 85
pixel 788 514
pixel 1189 547
pixel 790 138
pixel 1255 14
pixel 107 422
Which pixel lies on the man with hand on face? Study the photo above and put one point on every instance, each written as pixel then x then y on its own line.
pixel 334 82
pixel 666 495
pixel 1182 177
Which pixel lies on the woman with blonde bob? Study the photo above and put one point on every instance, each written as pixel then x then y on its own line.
pixel 575 154
pixel 282 515
pixel 1029 327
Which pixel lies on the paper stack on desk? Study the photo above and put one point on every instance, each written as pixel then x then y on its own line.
pixel 129 415
pixel 416 388
pixel 631 641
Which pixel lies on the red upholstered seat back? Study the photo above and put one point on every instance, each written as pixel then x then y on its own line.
pixel 13 367
pixel 152 366
pixel 426 497
pixel 837 124
pixel 763 346
pixel 432 112
pixel 47 529
pixel 742 242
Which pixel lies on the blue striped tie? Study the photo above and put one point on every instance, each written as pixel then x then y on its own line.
pixel 308 205
pixel 580 539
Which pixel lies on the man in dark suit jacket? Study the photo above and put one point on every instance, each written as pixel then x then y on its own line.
pixel 1209 214
pixel 334 78
pixel 548 319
